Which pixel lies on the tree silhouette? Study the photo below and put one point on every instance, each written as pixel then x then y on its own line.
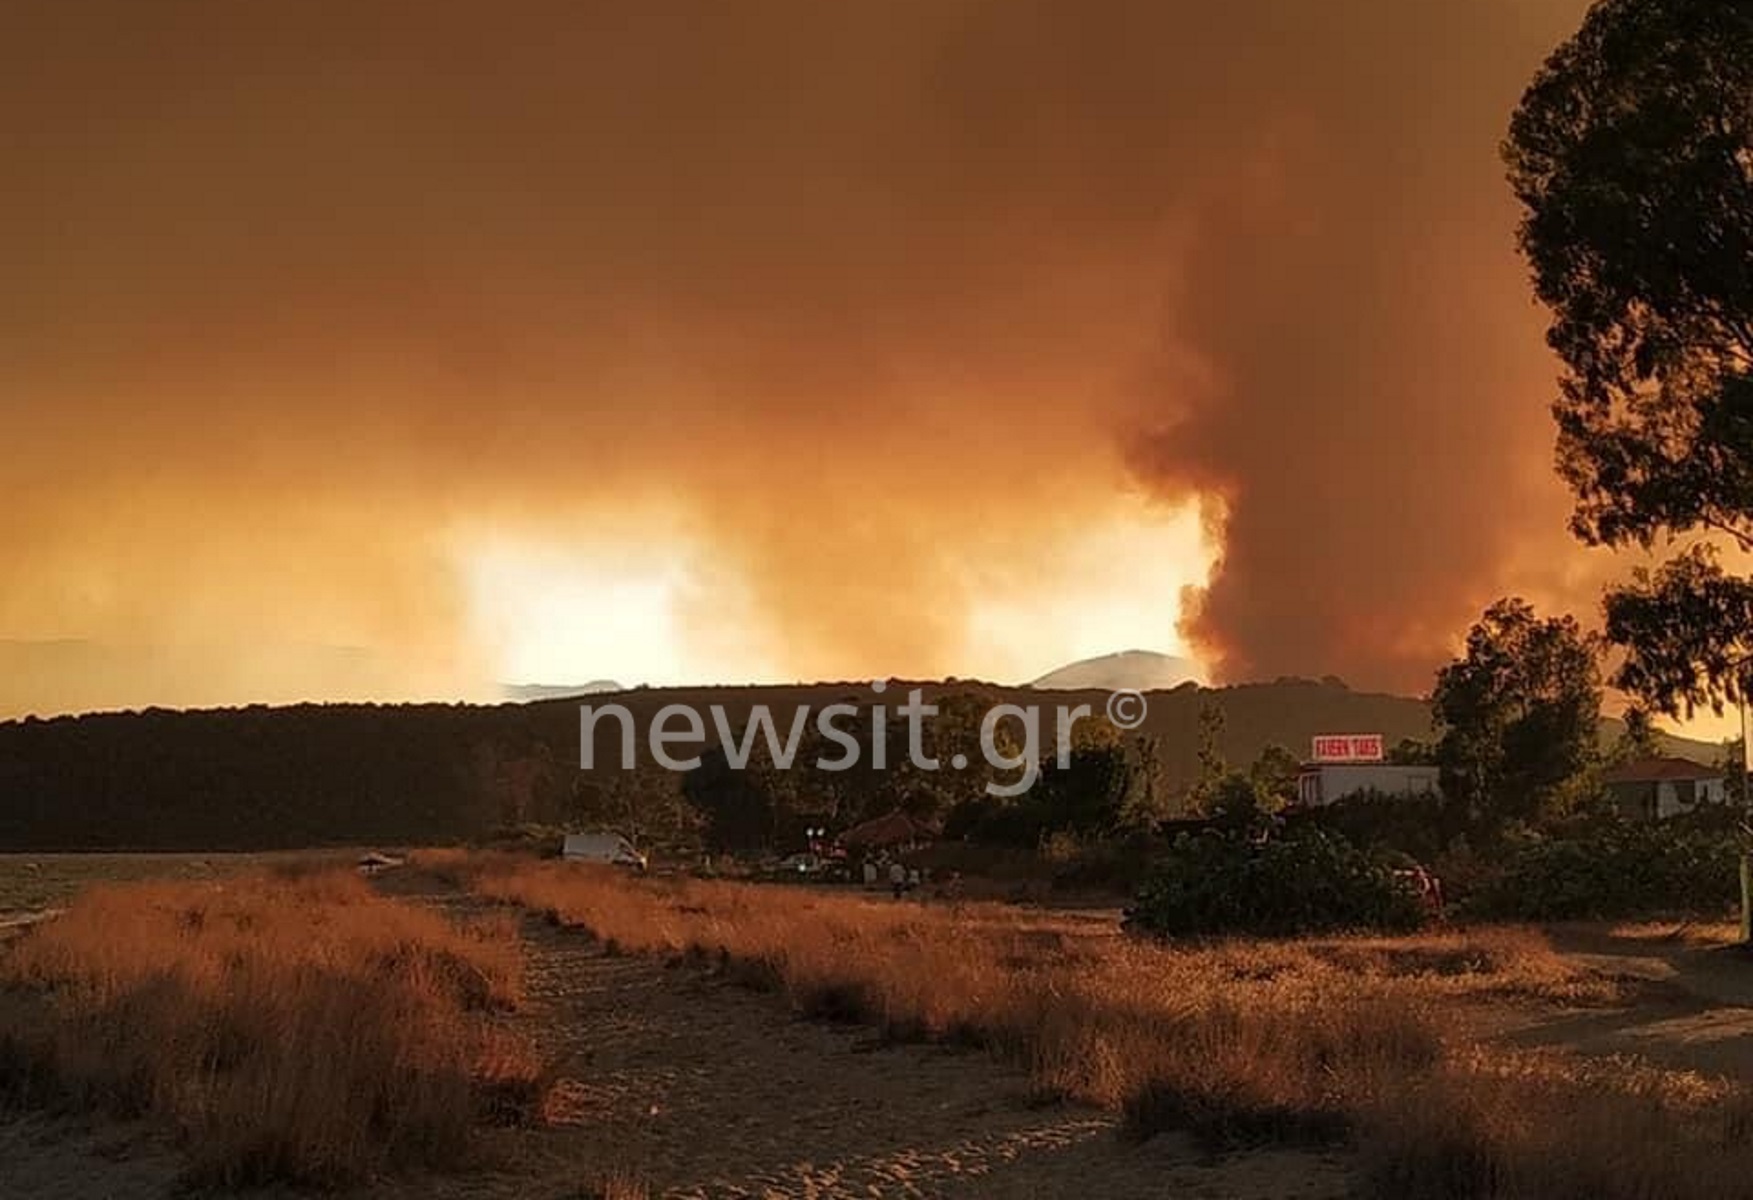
pixel 1521 712
pixel 1632 152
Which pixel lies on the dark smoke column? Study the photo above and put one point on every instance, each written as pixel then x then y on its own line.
pixel 1369 412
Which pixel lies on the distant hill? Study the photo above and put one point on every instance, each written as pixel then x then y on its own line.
pixel 1667 744
pixel 313 774
pixel 1137 670
pixel 524 692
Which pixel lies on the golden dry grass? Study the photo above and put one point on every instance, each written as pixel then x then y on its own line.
pixel 36 881
pixel 1339 1039
pixel 288 1026
pixel 1679 933
pixel 621 1187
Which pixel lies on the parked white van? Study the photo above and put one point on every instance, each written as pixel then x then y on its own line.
pixel 608 848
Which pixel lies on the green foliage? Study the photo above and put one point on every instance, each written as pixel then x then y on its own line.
pixel 1638 741
pixel 1148 802
pixel 839 799
pixel 645 804
pixel 1689 630
pixel 1088 795
pixel 1121 863
pixel 995 821
pixel 1417 826
pixel 1521 712
pixel 1732 762
pixel 345 774
pixel 1631 153
pixel 1220 789
pixel 1212 765
pixel 739 809
pixel 1275 773
pixel 1292 882
pixel 1096 794
pixel 1240 801
pixel 264 778
pixel 1413 752
pixel 1617 869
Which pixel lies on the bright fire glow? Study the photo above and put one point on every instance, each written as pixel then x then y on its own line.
pixel 571 614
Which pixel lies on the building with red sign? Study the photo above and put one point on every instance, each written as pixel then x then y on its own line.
pixel 1324 783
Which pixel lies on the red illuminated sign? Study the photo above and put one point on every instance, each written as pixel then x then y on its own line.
pixel 1348 747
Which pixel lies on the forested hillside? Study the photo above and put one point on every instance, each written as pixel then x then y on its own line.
pixel 305 775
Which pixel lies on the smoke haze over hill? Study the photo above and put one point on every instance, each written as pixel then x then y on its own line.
pixel 860 312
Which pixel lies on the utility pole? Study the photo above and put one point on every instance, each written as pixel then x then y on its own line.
pixel 1741 677
pixel 1746 858
pixel 1746 899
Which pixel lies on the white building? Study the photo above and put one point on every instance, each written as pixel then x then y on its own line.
pixel 1324 783
pixel 1657 788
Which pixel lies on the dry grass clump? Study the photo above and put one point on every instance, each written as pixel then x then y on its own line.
pixel 618 1187
pixel 290 1026
pixel 1491 1123
pixel 1490 962
pixel 1686 933
pixel 1332 1039
pixel 448 864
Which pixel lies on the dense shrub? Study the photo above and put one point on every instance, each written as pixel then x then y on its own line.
pixel 1118 863
pixel 1415 825
pixel 1285 882
pixel 1615 869
pixel 1089 798
pixel 991 821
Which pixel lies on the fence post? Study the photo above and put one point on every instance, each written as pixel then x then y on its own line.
pixel 1747 898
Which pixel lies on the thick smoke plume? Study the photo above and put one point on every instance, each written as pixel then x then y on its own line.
pixel 878 303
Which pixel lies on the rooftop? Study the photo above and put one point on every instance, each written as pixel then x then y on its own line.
pixel 1654 770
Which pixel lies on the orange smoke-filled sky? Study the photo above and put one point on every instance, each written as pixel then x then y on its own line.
pixel 392 349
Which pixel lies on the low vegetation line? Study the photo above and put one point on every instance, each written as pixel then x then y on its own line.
pixel 1332 1040
pixel 285 1026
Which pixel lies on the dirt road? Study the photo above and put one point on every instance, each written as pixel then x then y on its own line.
pixel 1694 1009
pixel 698 1088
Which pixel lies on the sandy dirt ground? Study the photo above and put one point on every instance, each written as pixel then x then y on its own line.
pixel 701 1089
pixel 695 1088
pixel 1694 1009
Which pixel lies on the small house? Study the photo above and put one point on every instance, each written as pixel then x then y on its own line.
pixel 892 832
pixel 1656 788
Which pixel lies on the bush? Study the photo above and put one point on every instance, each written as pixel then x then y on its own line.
pixel 1415 825
pixel 1301 881
pixel 1617 869
pixel 1118 863
pixel 990 821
